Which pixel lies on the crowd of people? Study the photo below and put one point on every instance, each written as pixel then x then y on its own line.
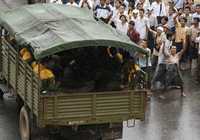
pixel 169 30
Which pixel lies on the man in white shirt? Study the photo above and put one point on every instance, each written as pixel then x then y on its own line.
pixel 142 60
pixel 56 1
pixel 170 22
pixel 152 18
pixel 144 3
pixel 145 61
pixel 197 13
pixel 153 24
pixel 122 26
pixel 135 15
pixel 116 16
pixel 115 11
pixel 108 3
pixel 116 7
pixel 159 9
pixel 103 12
pixel 188 16
pixel 72 3
pixel 141 23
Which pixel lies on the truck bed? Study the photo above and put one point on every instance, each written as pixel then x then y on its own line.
pixel 64 109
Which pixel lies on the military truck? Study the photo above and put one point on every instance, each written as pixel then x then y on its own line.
pixel 47 29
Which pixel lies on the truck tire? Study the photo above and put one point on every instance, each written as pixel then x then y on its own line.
pixel 20 103
pixel 1 94
pixel 24 124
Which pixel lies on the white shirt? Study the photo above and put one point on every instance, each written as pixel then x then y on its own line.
pixel 164 49
pixel 126 3
pixel 90 3
pixel 157 10
pixel 114 11
pixel 72 4
pixel 162 38
pixel 146 4
pixel 143 61
pixel 140 26
pixel 96 2
pixel 152 20
pixel 102 12
pixel 116 16
pixel 196 15
pixel 173 59
pixel 170 22
pixel 56 1
pixel 198 41
pixel 123 28
pixel 178 3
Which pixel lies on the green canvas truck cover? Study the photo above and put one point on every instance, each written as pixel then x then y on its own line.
pixel 4 6
pixel 52 28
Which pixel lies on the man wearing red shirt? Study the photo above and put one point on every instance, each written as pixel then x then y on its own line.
pixel 132 33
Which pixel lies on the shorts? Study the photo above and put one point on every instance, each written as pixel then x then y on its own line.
pixel 154 62
pixel 193 51
pixel 173 29
pixel 179 47
pixel 173 76
pixel 159 75
pixel 198 68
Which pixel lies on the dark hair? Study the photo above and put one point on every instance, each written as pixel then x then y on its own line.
pixel 185 19
pixel 145 40
pixel 123 16
pixel 165 18
pixel 123 5
pixel 187 7
pixel 197 19
pixel 141 10
pixel 198 5
pixel 118 1
pixel 132 23
pixel 131 4
pixel 180 9
pixel 169 35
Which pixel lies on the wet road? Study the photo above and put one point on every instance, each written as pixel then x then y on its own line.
pixel 169 118
pixel 172 118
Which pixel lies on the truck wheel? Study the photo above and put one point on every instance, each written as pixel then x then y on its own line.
pixel 24 124
pixel 20 103
pixel 1 94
